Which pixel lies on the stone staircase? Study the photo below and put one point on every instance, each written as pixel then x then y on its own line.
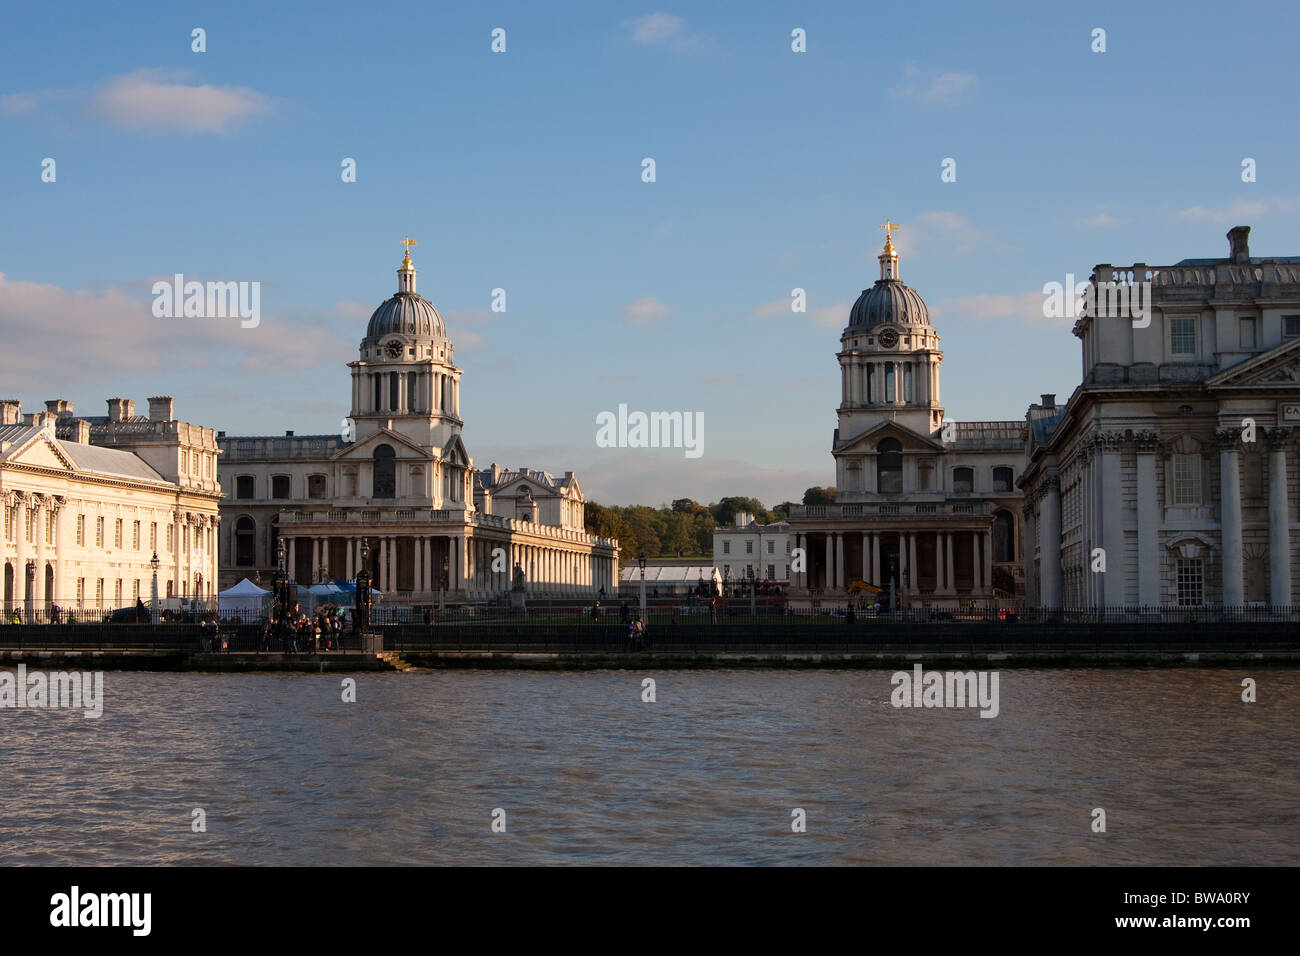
pixel 395 660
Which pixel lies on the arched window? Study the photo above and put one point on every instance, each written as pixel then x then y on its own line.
pixel 412 393
pixel 889 381
pixel 1004 537
pixel 379 396
pixel 889 466
pixel 907 383
pixel 245 542
pixel 385 472
pixel 963 481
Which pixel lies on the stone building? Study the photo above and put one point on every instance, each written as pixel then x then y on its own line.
pixel 399 478
pixel 750 547
pixel 928 506
pixel 1175 459
pixel 89 502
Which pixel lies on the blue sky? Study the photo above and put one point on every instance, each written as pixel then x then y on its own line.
pixel 522 171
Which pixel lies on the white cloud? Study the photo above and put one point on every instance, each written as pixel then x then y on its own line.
pixel 831 317
pixel 647 311
pixel 156 99
pixel 938 233
pixel 1239 210
pixel 931 89
pixel 1103 220
pixel 1024 307
pixel 662 29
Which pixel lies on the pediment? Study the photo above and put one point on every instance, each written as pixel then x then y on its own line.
pixel 866 442
pixel 454 452
pixel 1279 366
pixel 40 451
pixel 516 485
pixel 364 450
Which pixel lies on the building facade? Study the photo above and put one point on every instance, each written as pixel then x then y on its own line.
pixel 926 507
pixel 89 503
pixel 1174 464
pixel 748 547
pixel 401 481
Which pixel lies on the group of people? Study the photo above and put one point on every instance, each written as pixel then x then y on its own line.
pixel 295 632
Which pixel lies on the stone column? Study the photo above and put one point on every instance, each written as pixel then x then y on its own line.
pixel 293 558
pixel 1110 585
pixel 938 562
pixel 1230 516
pixel 875 560
pixel 840 581
pixel 315 556
pixel 349 565
pixel 40 517
pixel 988 561
pixel 1031 539
pixel 912 562
pixel 428 563
pixel 1147 443
pixel 1050 559
pixel 974 561
pixel 22 504
pixel 60 595
pixel 902 547
pixel 830 560
pixel 1279 520
pixel 866 557
pixel 383 565
pixel 417 582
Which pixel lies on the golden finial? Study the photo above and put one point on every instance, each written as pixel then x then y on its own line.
pixel 889 235
pixel 406 260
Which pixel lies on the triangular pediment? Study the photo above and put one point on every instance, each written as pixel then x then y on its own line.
pixel 365 449
pixel 867 441
pixel 516 485
pixel 40 451
pixel 454 452
pixel 1278 366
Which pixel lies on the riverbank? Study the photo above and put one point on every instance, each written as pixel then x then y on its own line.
pixel 855 659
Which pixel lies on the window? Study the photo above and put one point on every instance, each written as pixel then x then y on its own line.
pixel 81 530
pixel 963 481
pixel 924 477
pixel 315 486
pixel 726 547
pixel 1002 478
pixel 889 466
pixel 117 534
pixel 385 484
pixel 379 393
pixel 771 572
pixel 1182 336
pixel 244 486
pixel 749 547
pixel 1191 582
pixel 907 383
pixel 412 392
pixel 135 590
pixel 889 381
pixel 81 591
pixel 245 540
pixel 279 486
pixel 871 382
pixel 135 535
pixel 770 546
pixel 171 539
pixel 194 463
pixel 1247 326
pixel 1290 326
pixel 153 536
pixel 99 532
pixel 1187 479
pixel 392 391
pixel 117 592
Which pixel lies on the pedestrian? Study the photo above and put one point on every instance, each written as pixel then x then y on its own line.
pixel 595 613
pixel 624 614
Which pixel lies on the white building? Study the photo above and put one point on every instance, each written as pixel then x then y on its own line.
pixel 748 547
pixel 1175 460
pixel 88 502
pixel 927 506
pixel 403 483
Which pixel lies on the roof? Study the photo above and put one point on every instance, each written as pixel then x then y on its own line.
pixel 670 574
pixel 1044 426
pixel 110 462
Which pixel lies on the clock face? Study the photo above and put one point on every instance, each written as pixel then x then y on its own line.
pixel 393 350
pixel 888 338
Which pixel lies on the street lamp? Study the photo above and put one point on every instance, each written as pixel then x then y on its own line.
pixel 753 588
pixel 279 584
pixel 442 588
pixel 361 612
pixel 153 598
pixel 640 560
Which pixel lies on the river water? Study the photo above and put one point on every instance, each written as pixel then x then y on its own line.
pixel 586 772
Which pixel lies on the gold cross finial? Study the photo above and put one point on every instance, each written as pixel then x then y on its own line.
pixel 408 242
pixel 889 227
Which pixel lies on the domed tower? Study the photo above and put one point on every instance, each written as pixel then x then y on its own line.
pixel 889 357
pixel 404 378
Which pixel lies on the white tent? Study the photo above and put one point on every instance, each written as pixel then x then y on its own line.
pixel 324 593
pixel 245 600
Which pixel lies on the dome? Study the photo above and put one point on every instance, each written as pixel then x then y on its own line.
pixel 406 314
pixel 888 302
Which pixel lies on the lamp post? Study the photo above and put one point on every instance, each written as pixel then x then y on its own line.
pixel 753 589
pixel 361 613
pixel 278 582
pixel 153 593
pixel 640 560
pixel 442 586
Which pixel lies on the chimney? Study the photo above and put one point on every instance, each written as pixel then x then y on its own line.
pixel 288 433
pixel 1049 400
pixel 80 431
pixel 161 408
pixel 221 434
pixel 60 408
pixel 496 474
pixel 120 409
pixel 1239 245
pixel 11 411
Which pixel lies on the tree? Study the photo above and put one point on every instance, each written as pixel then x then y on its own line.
pixel 819 496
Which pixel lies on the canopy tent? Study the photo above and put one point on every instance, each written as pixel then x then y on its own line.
pixel 245 601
